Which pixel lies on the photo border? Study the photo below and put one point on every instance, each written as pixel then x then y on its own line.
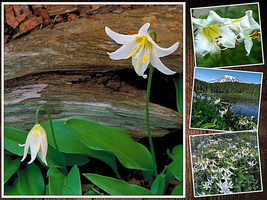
pixel 222 67
pixel 183 4
pixel 193 86
pixel 222 133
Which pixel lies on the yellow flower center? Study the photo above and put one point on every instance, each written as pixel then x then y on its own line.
pixel 213 35
pixel 144 44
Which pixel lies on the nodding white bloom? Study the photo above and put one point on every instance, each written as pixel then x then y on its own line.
pixel 214 34
pixel 213 177
pixel 210 181
pixel 220 185
pixel 226 176
pixel 37 142
pixel 225 190
pixel 251 163
pixel 228 184
pixel 246 27
pixel 217 101
pixel 142 49
pixel 223 112
pixel 206 185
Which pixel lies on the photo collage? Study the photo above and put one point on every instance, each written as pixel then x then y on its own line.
pixel 133 100
pixel 226 100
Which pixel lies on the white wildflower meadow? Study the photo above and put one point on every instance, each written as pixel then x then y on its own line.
pixel 225 167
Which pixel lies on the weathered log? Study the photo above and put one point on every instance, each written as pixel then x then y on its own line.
pixel 102 98
pixel 67 68
pixel 83 44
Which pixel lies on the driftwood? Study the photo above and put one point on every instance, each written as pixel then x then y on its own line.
pixel 67 68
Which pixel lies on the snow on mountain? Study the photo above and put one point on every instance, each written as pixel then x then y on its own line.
pixel 226 78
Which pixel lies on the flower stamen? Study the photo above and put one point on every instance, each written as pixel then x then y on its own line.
pixel 132 53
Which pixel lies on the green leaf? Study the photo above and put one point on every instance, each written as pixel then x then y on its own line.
pixel 12 189
pixel 208 125
pixel 76 159
pixel 95 136
pixel 178 82
pixel 175 169
pixel 10 167
pixel 68 142
pixel 54 158
pixel 31 180
pixel 158 186
pixel 13 137
pixel 178 190
pixel 116 187
pixel 73 182
pixel 91 191
pixel 56 181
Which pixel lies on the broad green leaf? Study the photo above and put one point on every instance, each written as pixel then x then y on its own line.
pixel 12 138
pixel 95 136
pixel 178 190
pixel 76 159
pixel 10 167
pixel 31 180
pixel 73 182
pixel 116 187
pixel 178 82
pixel 208 125
pixel 175 169
pixel 55 158
pixel 158 186
pixel 56 181
pixel 68 142
pixel 12 189
pixel 91 191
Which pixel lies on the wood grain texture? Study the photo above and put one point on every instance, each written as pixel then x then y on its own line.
pixel 67 68
pixel 83 44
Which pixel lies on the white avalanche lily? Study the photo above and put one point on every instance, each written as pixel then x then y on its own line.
pixel 142 49
pixel 37 142
pixel 213 33
pixel 246 27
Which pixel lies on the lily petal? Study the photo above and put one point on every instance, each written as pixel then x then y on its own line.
pixel 119 38
pixel 143 29
pixel 35 143
pixel 228 37
pixel 198 22
pixel 214 19
pixel 44 145
pixel 248 45
pixel 202 44
pixel 253 24
pixel 141 66
pixel 155 61
pixel 124 51
pixel 164 51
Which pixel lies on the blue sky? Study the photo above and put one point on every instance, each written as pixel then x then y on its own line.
pixel 212 74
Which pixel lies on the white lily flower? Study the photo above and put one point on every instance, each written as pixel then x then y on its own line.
pixel 142 49
pixel 247 28
pixel 223 112
pixel 206 185
pixel 37 142
pixel 213 33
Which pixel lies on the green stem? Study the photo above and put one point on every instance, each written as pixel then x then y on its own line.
pixel 50 121
pixel 147 118
pixel 147 111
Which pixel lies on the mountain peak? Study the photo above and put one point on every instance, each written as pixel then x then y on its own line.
pixel 226 78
